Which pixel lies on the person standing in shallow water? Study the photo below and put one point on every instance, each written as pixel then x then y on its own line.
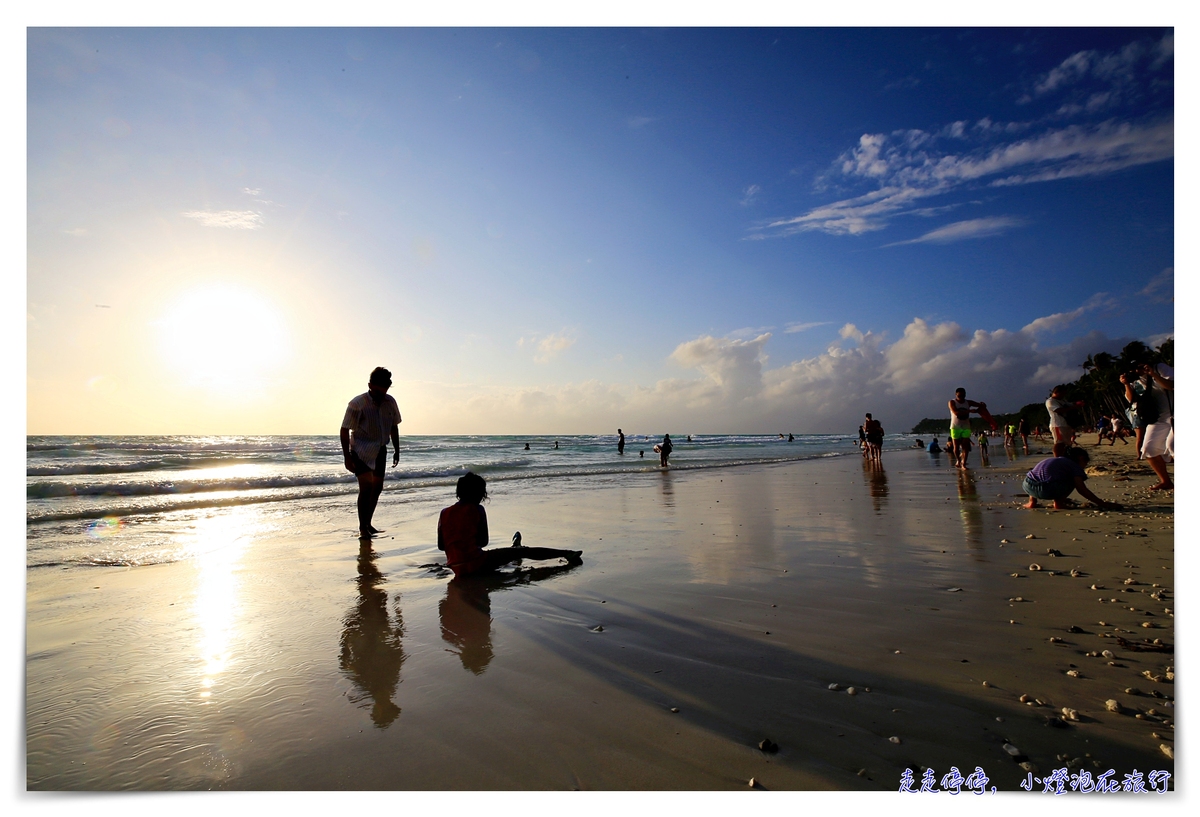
pixel 370 419
pixel 664 450
pixel 620 441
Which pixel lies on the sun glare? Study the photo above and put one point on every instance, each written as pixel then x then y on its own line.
pixel 225 338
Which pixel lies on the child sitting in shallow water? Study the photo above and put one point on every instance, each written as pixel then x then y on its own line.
pixel 463 535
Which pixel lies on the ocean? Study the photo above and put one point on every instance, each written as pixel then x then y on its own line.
pixel 108 500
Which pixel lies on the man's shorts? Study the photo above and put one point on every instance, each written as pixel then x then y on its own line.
pixel 1155 440
pixel 361 467
pixel 960 433
pixel 1048 491
pixel 875 438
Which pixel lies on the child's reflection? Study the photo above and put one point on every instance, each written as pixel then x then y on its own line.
pixel 372 651
pixel 466 611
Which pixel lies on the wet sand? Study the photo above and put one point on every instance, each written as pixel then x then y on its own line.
pixel 286 658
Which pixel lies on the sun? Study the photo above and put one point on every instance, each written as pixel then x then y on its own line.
pixel 225 338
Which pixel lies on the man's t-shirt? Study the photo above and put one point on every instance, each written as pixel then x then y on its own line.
pixel 960 417
pixel 1056 469
pixel 370 423
pixel 462 534
pixel 1056 419
pixel 1159 395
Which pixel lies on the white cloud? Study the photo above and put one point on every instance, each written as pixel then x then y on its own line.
pixel 252 191
pixel 908 168
pixel 804 327
pixel 963 230
pixel 749 194
pixel 1161 288
pixel 748 332
pixel 732 388
pixel 78 232
pixel 732 367
pixel 1060 320
pixel 639 121
pixel 232 219
pixel 548 347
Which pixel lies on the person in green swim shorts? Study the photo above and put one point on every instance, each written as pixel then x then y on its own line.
pixel 960 426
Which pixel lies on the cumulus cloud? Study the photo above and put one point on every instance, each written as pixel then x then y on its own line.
pixel 729 386
pixel 231 219
pixel 964 230
pixel 732 367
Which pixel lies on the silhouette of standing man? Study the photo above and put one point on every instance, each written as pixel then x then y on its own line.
pixel 620 441
pixel 371 418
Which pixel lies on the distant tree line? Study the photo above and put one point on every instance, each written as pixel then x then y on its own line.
pixel 1099 389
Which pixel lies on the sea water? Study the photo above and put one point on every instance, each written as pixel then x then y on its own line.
pixel 114 500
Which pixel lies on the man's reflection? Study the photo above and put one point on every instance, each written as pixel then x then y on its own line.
pixel 668 490
pixel 876 479
pixel 968 506
pixel 372 651
pixel 466 612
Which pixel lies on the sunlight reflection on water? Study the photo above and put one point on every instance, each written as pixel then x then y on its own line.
pixel 218 542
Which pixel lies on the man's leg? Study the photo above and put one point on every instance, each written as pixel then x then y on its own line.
pixel 367 498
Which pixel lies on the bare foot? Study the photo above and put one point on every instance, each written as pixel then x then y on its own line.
pixel 1163 486
pixel 1032 503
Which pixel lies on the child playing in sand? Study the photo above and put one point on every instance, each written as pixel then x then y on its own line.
pixel 1055 478
pixel 463 535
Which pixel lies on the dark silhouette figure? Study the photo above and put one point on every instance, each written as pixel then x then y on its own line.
pixel 620 441
pixel 372 651
pixel 370 419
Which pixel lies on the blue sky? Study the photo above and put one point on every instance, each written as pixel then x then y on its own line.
pixel 566 230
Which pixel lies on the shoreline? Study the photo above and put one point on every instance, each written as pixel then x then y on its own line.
pixel 736 596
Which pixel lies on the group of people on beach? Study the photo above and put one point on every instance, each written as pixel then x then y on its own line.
pixel 372 418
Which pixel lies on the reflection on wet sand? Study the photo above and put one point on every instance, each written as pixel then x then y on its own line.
pixel 876 481
pixel 372 649
pixel 968 506
pixel 466 612
pixel 668 490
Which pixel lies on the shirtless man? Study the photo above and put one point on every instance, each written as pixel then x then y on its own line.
pixel 960 425
pixel 372 417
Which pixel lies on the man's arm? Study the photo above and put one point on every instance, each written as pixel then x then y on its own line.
pixel 396 435
pixel 346 448
pixel 1160 380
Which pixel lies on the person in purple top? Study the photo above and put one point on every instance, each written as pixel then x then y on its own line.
pixel 1054 479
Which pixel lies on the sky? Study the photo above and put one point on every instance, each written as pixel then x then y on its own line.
pixel 556 231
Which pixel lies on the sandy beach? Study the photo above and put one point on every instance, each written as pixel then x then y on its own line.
pixel 714 609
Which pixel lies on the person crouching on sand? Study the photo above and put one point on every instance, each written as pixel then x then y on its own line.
pixel 1054 479
pixel 463 535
